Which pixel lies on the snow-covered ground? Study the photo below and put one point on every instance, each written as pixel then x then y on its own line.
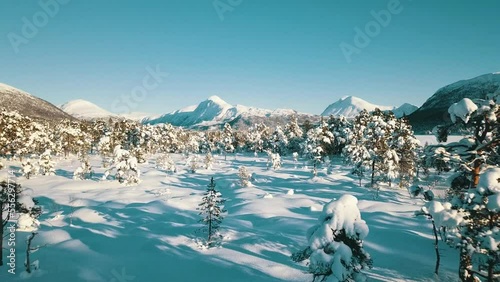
pixel 93 230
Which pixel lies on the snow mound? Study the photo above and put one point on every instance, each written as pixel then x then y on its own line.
pixel 267 196
pixel 462 109
pixel 490 180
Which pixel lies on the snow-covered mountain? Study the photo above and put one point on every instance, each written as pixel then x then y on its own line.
pixel 26 104
pixel 404 110
pixel 350 106
pixel 83 109
pixel 214 111
pixel 435 110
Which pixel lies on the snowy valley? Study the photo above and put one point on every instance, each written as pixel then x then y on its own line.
pixel 118 200
pixel 246 194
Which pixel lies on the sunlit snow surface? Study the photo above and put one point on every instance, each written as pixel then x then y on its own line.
pixel 96 230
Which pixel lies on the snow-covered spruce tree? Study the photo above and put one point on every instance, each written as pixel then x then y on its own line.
pixel 244 176
pixel 335 249
pixel 278 141
pixel 126 166
pixel 473 157
pixel 294 135
pixel 274 160
pixel 227 139
pixel 104 146
pixel 318 143
pixel 12 198
pixel 164 161
pixel 211 209
pixel 341 129
pixel 46 164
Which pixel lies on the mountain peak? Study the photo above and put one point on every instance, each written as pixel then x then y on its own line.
pixel 350 106
pixel 217 100
pixel 84 109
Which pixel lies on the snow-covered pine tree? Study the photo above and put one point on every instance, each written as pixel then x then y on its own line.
pixel 212 210
pixel 335 245
pixel 29 168
pixel 477 158
pixel 258 136
pixel 244 176
pixel 341 129
pixel 274 160
pixel 46 164
pixel 406 147
pixel 356 152
pixel 294 134
pixel 13 130
pixel 318 143
pixel 70 138
pixel 227 140
pixel 126 166
pixel 105 150
pixel 164 161
pixel 279 141
pixel 382 145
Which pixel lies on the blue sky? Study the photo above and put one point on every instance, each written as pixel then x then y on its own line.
pixel 264 53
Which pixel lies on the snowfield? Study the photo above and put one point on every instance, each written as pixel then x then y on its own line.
pixel 94 230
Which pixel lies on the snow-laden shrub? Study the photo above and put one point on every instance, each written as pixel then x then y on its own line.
pixel 295 157
pixel 46 164
pixel 165 162
pixel 84 171
pixel 208 161
pixel 244 176
pixel 274 160
pixel 192 163
pixel 29 168
pixel 335 250
pixel 125 166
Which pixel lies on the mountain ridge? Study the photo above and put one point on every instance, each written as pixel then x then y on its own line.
pixel 12 98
